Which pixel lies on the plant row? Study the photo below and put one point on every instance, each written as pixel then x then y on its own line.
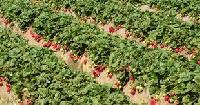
pixel 163 26
pixel 161 71
pixel 186 7
pixel 37 74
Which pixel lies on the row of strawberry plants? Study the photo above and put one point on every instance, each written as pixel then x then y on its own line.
pixel 163 26
pixel 186 7
pixel 162 71
pixel 38 74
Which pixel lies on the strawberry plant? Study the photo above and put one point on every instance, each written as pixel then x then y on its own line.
pixel 163 26
pixel 46 79
pixel 162 71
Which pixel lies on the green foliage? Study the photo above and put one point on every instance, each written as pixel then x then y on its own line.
pixel 162 26
pixel 162 71
pixel 47 79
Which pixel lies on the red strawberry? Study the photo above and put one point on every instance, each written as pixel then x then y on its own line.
pixel 133 91
pixel 36 37
pixel 97 68
pixel 154 44
pixel 48 44
pixel 109 75
pixel 75 58
pixel 6 22
pixel 96 73
pixel 153 101
pixel 8 88
pixel 162 45
pixel 102 68
pixel 176 50
pixel 198 62
pixel 111 29
pixel 56 47
pixel 131 78
pixel 71 55
pixel 167 98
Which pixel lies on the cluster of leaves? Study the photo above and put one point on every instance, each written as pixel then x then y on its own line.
pixel 21 12
pixel 163 26
pixel 37 73
pixel 162 71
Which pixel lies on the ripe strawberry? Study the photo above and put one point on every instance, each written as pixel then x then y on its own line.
pixel 48 44
pixel 153 101
pixel 97 68
pixel 56 47
pixel 36 37
pixel 96 73
pixel 162 45
pixel 6 22
pixel 110 75
pixel 177 50
pixel 111 29
pixel 154 44
pixel 76 58
pixel 102 68
pixel 73 57
pixel 131 78
pixel 133 91
pixel 167 98
pixel 8 88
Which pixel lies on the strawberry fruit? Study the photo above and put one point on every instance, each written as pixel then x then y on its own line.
pixel 111 30
pixel 109 75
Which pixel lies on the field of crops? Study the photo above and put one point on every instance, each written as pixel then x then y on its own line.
pixel 100 52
